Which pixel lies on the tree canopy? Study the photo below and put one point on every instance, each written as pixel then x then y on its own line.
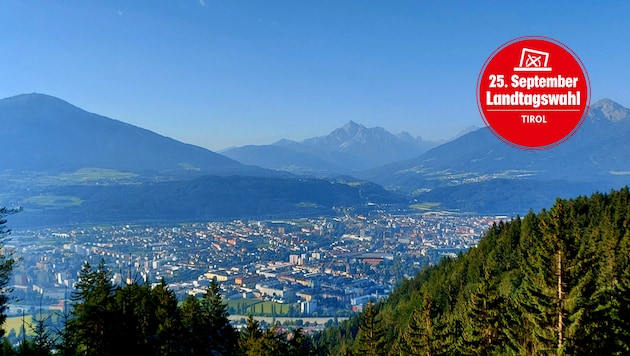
pixel 555 282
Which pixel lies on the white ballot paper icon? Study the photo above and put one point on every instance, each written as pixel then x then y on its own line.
pixel 533 61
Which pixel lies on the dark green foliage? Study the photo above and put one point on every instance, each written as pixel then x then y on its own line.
pixel 221 336
pixel 192 324
pixel 168 329
pixel 337 340
pixel 206 324
pixel 250 337
pixel 487 316
pixel 233 197
pixel 65 342
pixel 96 320
pixel 138 319
pixel 556 282
pixel 43 341
pixel 419 338
pixel 6 265
pixel 253 341
pixel 370 340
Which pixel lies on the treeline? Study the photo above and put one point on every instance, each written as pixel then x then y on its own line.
pixel 137 319
pixel 556 282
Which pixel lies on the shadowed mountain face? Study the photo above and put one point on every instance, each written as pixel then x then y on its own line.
pixel 200 199
pixel 282 158
pixel 60 160
pixel 370 146
pixel 45 134
pixel 64 165
pixel 475 166
pixel 349 148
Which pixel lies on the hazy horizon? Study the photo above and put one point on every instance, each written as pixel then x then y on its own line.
pixel 219 74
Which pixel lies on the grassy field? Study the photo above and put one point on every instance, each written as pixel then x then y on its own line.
pixel 54 201
pixel 91 174
pixel 15 323
pixel 354 184
pixel 258 307
pixel 424 206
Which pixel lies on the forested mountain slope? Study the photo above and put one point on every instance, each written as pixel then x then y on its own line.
pixel 555 282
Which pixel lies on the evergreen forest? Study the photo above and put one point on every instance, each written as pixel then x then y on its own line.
pixel 552 283
pixel 556 282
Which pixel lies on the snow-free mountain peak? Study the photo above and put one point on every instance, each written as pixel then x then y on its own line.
pixel 42 133
pixel 608 109
pixel 479 172
pixel 351 147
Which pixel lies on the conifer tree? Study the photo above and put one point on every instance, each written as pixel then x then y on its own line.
pixel 419 336
pixel 605 318
pixel 193 324
pixel 95 319
pixel 370 340
pixel 169 330
pixel 273 342
pixel 65 337
pixel 256 342
pixel 484 331
pixel 42 341
pixel 540 301
pixel 220 335
pixel 6 265
pixel 250 336
pixel 299 344
pixel 134 306
pixel 556 282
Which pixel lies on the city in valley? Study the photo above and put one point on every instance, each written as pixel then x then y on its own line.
pixel 309 267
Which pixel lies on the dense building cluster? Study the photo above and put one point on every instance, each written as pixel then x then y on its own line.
pixel 325 266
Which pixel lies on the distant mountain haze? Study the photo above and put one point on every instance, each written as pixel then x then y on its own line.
pixel 43 133
pixel 594 158
pixel 350 148
pixel 608 110
pixel 283 158
pixel 374 146
pixel 59 159
pixel 68 166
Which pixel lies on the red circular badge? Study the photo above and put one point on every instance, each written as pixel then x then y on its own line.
pixel 533 93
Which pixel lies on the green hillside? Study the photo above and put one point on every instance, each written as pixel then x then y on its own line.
pixel 555 282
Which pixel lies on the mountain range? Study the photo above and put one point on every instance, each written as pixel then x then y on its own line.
pixel 345 150
pixel 477 171
pixel 42 133
pixel 66 165
pixel 62 163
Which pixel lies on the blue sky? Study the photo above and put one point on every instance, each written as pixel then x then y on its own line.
pixel 225 73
